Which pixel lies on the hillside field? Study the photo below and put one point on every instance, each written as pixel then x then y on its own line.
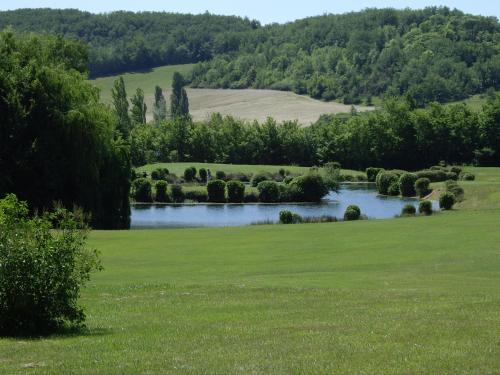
pixel 247 104
pixel 414 295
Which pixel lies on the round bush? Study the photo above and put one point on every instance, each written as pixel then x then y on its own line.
pixel 141 190
pixel 189 174
pixel 384 180
pixel 467 177
pixel 159 174
pixel 286 217
pixel 446 200
pixel 393 189
pixel 351 214
pixel 371 173
pixel 282 172
pixel 407 184
pixel 176 193
pixel 259 177
pixel 203 174
pixel 268 192
pixel 235 191
pixel 216 190
pixel 196 196
pixel 408 210
pixel 251 197
pixel 456 170
pixel 161 191
pixel 220 175
pixel 422 186
pixel 425 207
pixel 308 188
pixel 451 176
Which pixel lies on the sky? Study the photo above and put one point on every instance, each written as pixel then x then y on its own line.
pixel 266 11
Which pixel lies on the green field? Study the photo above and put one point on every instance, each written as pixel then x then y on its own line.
pixel 417 295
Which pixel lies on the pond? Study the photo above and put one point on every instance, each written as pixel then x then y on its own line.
pixel 222 215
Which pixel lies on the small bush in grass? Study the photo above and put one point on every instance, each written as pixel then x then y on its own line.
pixel 196 196
pixel 42 270
pixel 161 191
pixel 384 181
pixel 216 190
pixel 220 175
pixel 446 200
pixel 268 192
pixel 467 177
pixel 141 190
pixel 408 210
pixel 159 174
pixel 203 175
pixel 393 189
pixel 176 193
pixel 451 176
pixel 371 173
pixel 189 174
pixel 422 186
pixel 425 207
pixel 251 197
pixel 456 170
pixel 235 191
pixel 407 184
pixel 259 177
pixel 351 213
pixel 288 217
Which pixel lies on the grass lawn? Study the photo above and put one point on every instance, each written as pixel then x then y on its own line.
pixel 415 295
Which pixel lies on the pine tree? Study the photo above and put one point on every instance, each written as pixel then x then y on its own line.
pixel 139 108
pixel 160 105
pixel 179 103
pixel 120 103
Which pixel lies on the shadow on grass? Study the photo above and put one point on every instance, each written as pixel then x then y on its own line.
pixel 61 333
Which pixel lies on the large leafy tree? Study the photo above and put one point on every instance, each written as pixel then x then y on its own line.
pixel 57 142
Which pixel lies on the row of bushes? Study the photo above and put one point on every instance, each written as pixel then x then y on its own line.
pixel 352 212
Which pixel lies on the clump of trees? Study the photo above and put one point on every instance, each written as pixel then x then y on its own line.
pixel 57 142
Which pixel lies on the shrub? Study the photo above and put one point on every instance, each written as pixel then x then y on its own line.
pixel 433 175
pixel 282 172
pixel 407 184
pixel 453 187
pixel 446 200
pixel 384 180
pixel 352 213
pixel 203 174
pixel 161 191
pixel 371 173
pixel 422 186
pixel 155 175
pixel 189 174
pixel 216 190
pixel 425 207
pixel 238 176
pixel 308 188
pixel 451 176
pixel 235 191
pixel 220 175
pixel 41 270
pixel 251 197
pixel 133 174
pixel 346 177
pixel 159 174
pixel 288 217
pixel 408 210
pixel 456 170
pixel 288 179
pixel 176 193
pixel 467 177
pixel 393 189
pixel 141 190
pixel 196 196
pixel 268 192
pixel 259 177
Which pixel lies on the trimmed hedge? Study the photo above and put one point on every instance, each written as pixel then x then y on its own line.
pixel 235 191
pixel 176 193
pixel 268 192
pixel 446 200
pixel 422 187
pixel 425 207
pixel 189 174
pixel 407 184
pixel 384 181
pixel 141 190
pixel 408 210
pixel 216 190
pixel 372 172
pixel 308 188
pixel 351 213
pixel 161 191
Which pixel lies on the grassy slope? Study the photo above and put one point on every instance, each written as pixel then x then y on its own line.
pixel 413 295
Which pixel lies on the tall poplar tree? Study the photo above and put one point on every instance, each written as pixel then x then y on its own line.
pixel 121 105
pixel 179 103
pixel 139 107
pixel 160 105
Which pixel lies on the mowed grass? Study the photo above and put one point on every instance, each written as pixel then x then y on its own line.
pixel 246 104
pixel 416 295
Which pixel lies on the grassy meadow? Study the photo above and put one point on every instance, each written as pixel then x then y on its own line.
pixel 414 295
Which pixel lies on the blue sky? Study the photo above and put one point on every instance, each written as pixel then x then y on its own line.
pixel 265 11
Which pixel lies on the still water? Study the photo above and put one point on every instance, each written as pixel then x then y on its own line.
pixel 222 215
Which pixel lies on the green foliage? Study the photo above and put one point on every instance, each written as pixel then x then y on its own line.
pixel 57 142
pixel 235 191
pixel 384 180
pixel 257 178
pixel 407 184
pixel 308 188
pixel 446 200
pixel 160 174
pixel 372 172
pixel 176 193
pixel 425 207
pixel 189 174
pixel 203 174
pixel 456 170
pixel 141 190
pixel 408 210
pixel 196 196
pixel 268 192
pixel 179 104
pixel 216 190
pixel 351 213
pixel 467 177
pixel 393 189
pixel 161 191
pixel 288 217
pixel 422 188
pixel 120 103
pixel 220 175
pixel 159 106
pixel 139 108
pixel 41 270
pixel 453 187
pixel 331 173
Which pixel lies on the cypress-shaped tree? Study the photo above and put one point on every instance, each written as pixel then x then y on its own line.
pixel 179 103
pixel 139 108
pixel 160 105
pixel 120 104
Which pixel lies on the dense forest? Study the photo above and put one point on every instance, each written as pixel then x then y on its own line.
pixel 126 41
pixel 434 54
